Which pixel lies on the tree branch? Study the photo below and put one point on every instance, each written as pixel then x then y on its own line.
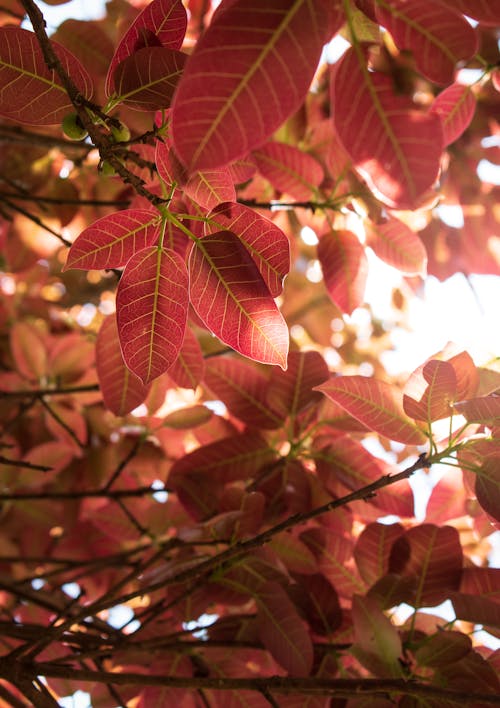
pixel 36 220
pixel 15 134
pixel 90 493
pixel 58 200
pixel 195 573
pixel 102 141
pixel 24 464
pixel 242 547
pixel 277 205
pixel 312 686
pixel 41 392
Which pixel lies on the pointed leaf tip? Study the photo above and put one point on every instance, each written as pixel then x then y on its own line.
pixel 31 93
pixel 376 404
pixel 396 148
pixel 229 294
pixel 215 122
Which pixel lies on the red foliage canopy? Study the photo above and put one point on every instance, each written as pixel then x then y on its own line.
pixel 190 442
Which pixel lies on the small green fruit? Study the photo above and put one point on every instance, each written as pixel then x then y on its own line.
pixel 107 169
pixel 73 128
pixel 121 134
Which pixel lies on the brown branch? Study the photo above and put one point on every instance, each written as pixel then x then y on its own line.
pixel 277 205
pixel 9 697
pixel 41 392
pixel 90 493
pixel 266 694
pixel 194 574
pixel 101 140
pixel 283 685
pixel 36 220
pixel 15 134
pixel 242 547
pixel 121 466
pixel 61 422
pixel 57 200
pixel 24 464
pixel 141 530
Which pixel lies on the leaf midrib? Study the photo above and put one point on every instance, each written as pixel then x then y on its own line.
pixel 246 79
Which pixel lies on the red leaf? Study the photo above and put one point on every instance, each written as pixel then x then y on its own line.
pixel 420 26
pixel 282 631
pixel 345 268
pixel 29 350
pixel 476 609
pixel 489 381
pixel 266 242
pixel 168 165
pixel 229 294
pixel 147 79
pixel 188 369
pixel 430 391
pixel 294 554
pixel 243 390
pixel 349 463
pixel 471 674
pixel 168 664
pixel 482 582
pixel 373 548
pixel 447 500
pixel 215 122
pixel 376 404
pixel 395 147
pixel 112 240
pixel 465 370
pixel 318 602
pixel 122 390
pixel 485 410
pixel 31 93
pixel 487 486
pixel 198 477
pixel 242 170
pixel 335 561
pixel 211 187
pixel 151 309
pixel 443 648
pixel 89 42
pixel 433 556
pixel 291 391
pixel 71 356
pixel 289 169
pixel 485 11
pixel 396 244
pixel 166 19
pixel 377 643
pixel 68 425
pixel 455 106
pixel 189 417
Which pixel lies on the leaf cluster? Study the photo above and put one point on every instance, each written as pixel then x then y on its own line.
pixel 190 440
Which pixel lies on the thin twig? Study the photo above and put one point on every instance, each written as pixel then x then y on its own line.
pixel 61 422
pixel 58 200
pixel 101 140
pixel 41 392
pixel 121 466
pixel 88 494
pixel 16 135
pixel 23 463
pixel 277 205
pixel 283 685
pixel 36 220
